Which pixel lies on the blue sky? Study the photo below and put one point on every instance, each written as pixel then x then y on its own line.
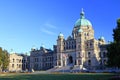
pixel 28 23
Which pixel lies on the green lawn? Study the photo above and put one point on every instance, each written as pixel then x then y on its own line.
pixel 81 76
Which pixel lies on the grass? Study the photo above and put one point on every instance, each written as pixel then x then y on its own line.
pixel 80 76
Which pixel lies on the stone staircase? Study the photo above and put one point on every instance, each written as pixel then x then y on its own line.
pixel 69 68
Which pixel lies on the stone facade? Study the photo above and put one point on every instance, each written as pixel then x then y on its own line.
pixel 25 62
pixel 81 49
pixel 42 59
pixel 15 62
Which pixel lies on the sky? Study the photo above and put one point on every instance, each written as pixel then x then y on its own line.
pixel 32 23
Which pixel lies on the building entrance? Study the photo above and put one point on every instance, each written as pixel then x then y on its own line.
pixel 70 59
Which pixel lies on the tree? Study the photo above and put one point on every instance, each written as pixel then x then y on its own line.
pixel 5 60
pixel 114 48
pixel 0 58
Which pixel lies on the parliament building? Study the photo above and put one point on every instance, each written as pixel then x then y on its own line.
pixel 81 49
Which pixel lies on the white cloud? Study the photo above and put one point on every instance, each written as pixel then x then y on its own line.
pixel 49 29
pixel 50 26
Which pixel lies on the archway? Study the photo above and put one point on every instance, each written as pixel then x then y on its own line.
pixel 70 59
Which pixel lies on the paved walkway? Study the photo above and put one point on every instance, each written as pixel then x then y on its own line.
pixel 41 72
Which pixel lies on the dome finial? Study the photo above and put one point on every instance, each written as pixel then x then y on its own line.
pixel 82 14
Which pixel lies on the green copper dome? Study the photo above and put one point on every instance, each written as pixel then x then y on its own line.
pixel 61 35
pixel 101 38
pixel 82 21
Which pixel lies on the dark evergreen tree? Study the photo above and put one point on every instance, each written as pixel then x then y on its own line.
pixel 114 48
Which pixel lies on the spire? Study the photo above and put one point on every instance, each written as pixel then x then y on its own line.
pixel 82 14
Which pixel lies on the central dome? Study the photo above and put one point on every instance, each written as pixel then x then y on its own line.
pixel 82 21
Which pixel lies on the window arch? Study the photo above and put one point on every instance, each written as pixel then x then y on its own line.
pixel 13 60
pixel 104 61
pixel 79 54
pixel 89 54
pixel 104 54
pixel 79 62
pixel 89 62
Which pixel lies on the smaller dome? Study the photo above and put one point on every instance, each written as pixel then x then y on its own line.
pixel 12 52
pixel 80 30
pixel 61 35
pixel 102 38
pixel 33 48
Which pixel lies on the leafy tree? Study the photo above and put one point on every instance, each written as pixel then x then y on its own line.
pixel 0 58
pixel 5 60
pixel 114 48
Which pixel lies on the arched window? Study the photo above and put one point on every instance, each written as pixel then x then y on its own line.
pixel 100 62
pixel 13 60
pixel 79 62
pixel 78 46
pixel 12 65
pixel 79 55
pixel 64 48
pixel 75 62
pixel 75 46
pixel 72 47
pixel 90 44
pixel 59 63
pixel 70 59
pixel 84 34
pixel 69 47
pixel 64 43
pixel 87 45
pixel 89 62
pixel 87 34
pixel 104 54
pixel 104 62
pixel 59 57
pixel 100 54
pixel 89 54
